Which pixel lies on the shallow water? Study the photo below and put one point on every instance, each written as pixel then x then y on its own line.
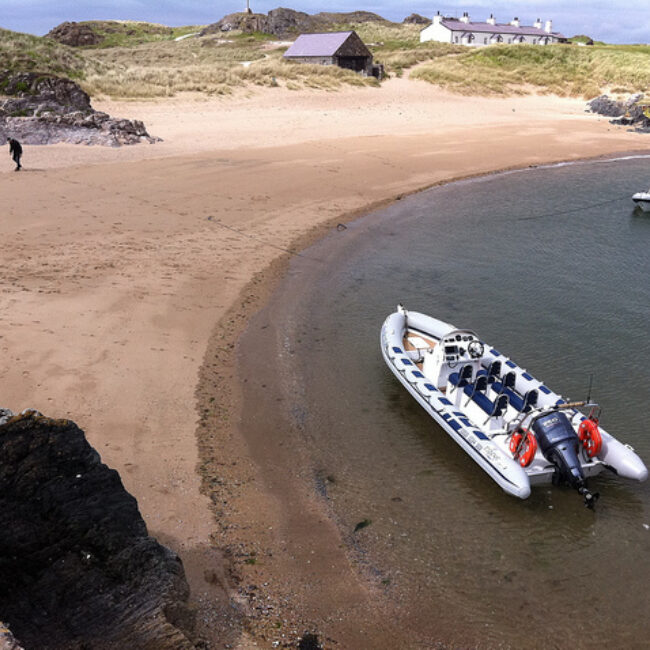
pixel 552 267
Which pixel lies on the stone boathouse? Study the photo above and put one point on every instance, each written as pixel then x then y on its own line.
pixel 344 49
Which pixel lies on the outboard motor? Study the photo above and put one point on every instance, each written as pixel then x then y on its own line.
pixel 559 444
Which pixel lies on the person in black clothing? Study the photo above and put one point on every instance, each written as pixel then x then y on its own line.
pixel 15 151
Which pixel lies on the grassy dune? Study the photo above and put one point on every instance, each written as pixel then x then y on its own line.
pixel 129 33
pixel 398 46
pixel 563 70
pixel 212 65
pixel 26 53
pixel 145 61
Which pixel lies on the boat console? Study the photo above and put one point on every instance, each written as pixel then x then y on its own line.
pixel 456 348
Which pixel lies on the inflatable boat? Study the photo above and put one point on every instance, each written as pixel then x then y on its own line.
pixel 512 425
pixel 642 199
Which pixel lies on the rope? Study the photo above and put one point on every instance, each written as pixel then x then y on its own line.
pixel 584 207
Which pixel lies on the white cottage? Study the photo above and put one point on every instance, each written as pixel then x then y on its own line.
pixel 463 31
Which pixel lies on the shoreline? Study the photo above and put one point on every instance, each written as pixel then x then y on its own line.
pixel 253 299
pixel 128 276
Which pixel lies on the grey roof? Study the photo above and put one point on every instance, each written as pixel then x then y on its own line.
pixel 505 28
pixel 318 44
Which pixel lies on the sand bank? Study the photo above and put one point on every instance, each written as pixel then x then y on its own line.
pixel 118 264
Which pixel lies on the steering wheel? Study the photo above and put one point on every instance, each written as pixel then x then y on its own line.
pixel 475 349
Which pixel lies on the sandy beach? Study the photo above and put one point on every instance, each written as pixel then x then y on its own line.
pixel 129 273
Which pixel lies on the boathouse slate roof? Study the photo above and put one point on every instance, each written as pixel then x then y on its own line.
pixel 523 30
pixel 318 44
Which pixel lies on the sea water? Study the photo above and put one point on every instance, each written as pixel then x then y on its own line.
pixel 552 267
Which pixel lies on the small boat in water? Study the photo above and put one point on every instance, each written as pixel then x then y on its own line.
pixel 642 199
pixel 516 428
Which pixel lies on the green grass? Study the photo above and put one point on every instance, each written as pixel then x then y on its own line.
pixel 565 70
pixel 210 65
pixel 144 61
pixel 582 38
pixel 129 33
pixel 26 53
pixel 398 46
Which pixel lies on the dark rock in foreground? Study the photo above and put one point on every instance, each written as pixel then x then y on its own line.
pixel 77 567
pixel 627 113
pixel 45 109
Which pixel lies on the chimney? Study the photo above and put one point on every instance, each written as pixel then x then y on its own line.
pixel 437 19
pixel 515 22
pixel 538 23
pixel 465 18
pixel 491 20
pixel 548 26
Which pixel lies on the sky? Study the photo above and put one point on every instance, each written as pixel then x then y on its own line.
pixel 613 21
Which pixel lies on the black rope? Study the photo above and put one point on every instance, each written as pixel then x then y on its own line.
pixel 584 207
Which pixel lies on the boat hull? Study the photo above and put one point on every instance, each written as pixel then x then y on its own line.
pixel 642 200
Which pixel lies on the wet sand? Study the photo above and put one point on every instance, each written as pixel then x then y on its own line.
pixel 129 274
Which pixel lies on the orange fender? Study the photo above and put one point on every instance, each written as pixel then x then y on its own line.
pixel 589 434
pixel 523 452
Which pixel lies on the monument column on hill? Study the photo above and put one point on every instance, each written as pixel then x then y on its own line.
pixel 248 7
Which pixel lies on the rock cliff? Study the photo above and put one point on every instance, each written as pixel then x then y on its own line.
pixel 45 109
pixel 77 567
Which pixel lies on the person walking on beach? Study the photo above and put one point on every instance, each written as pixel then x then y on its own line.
pixel 15 151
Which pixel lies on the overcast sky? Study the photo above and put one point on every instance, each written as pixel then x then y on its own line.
pixel 614 21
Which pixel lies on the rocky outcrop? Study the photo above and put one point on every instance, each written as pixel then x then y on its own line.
pixel 45 109
pixel 288 22
pixel 77 567
pixel 247 23
pixel 416 19
pixel 75 34
pixel 605 105
pixel 97 32
pixel 631 112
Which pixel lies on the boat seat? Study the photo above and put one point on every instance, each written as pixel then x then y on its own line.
pixel 483 401
pixel 507 381
pixel 462 378
pixel 476 394
pixel 492 370
pixel 521 404
pixel 500 406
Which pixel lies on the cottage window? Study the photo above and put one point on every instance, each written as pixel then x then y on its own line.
pixel 509 40
pixel 485 40
pixel 534 41
pixel 456 39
